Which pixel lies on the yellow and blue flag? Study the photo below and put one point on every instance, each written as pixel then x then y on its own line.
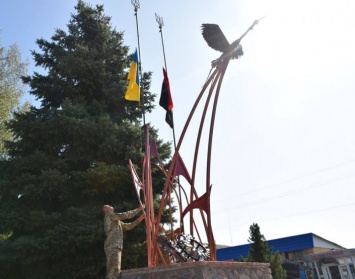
pixel 133 90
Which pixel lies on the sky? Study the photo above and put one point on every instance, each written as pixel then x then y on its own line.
pixel 284 140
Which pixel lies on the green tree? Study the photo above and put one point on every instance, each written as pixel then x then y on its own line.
pixel 260 252
pixel 69 156
pixel 277 271
pixel 11 88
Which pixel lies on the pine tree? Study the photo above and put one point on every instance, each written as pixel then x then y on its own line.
pixel 260 252
pixel 69 156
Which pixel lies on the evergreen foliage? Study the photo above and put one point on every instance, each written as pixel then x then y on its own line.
pixel 277 271
pixel 69 156
pixel 260 252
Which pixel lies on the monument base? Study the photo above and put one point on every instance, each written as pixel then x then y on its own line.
pixel 201 270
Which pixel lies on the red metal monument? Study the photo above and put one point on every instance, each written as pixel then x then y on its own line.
pixel 186 196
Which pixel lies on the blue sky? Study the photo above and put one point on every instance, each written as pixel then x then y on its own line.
pixel 283 152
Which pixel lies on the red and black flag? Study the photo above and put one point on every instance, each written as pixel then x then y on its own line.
pixel 166 101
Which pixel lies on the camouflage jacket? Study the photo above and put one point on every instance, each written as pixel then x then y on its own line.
pixel 114 228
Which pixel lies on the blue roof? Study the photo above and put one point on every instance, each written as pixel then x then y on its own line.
pixel 286 244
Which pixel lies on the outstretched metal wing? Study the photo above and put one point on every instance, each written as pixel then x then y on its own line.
pixel 214 37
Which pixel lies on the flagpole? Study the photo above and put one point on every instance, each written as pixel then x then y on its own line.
pixel 136 6
pixel 160 22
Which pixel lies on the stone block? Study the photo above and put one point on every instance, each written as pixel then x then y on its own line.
pixel 201 270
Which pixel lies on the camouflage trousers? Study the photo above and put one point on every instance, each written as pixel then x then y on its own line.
pixel 113 263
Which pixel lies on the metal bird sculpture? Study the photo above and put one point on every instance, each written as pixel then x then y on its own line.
pixel 215 39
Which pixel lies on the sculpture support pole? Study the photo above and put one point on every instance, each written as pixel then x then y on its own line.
pixel 149 198
pixel 209 158
pixel 197 145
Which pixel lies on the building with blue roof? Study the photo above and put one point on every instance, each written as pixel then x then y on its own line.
pixel 305 256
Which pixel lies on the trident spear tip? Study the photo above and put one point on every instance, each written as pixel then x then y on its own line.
pixel 159 20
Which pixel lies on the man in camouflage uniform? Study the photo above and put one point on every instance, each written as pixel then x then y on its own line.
pixel 114 229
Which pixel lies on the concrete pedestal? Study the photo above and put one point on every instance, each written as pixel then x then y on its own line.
pixel 201 270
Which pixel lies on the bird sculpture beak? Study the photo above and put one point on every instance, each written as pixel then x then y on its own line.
pixel 260 18
pixel 257 21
